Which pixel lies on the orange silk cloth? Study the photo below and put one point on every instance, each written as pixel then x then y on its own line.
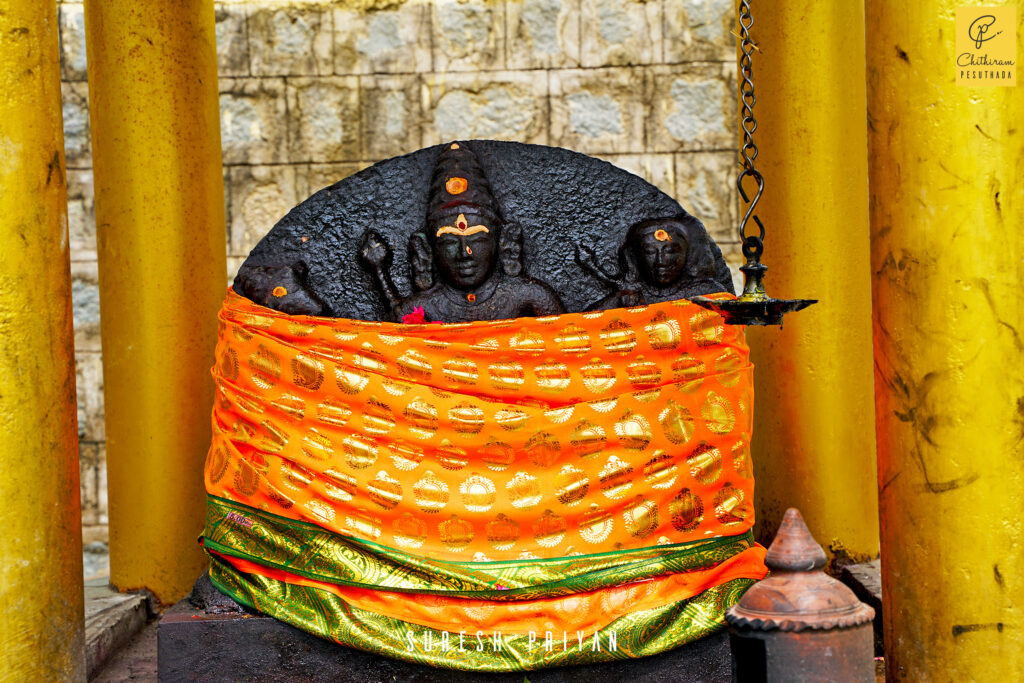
pixel 503 440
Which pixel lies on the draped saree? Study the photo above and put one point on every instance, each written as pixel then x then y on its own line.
pixel 488 496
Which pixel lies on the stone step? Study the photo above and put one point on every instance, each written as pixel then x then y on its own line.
pixel 111 620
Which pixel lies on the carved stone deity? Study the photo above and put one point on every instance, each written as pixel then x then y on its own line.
pixel 467 262
pixel 376 443
pixel 481 230
pixel 660 259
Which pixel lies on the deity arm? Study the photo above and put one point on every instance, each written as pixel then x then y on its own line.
pixel 375 256
pixel 542 300
pixel 588 260
pixel 620 299
pixel 282 288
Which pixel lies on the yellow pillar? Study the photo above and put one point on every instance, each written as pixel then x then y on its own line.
pixel 813 443
pixel 41 614
pixel 160 217
pixel 947 201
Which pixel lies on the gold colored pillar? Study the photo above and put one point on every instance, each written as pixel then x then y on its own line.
pixel 813 443
pixel 947 201
pixel 160 217
pixel 41 613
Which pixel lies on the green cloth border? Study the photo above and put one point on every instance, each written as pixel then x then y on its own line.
pixel 639 634
pixel 237 530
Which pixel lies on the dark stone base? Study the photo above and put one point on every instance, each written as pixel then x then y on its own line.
pixel 218 642
pixel 866 581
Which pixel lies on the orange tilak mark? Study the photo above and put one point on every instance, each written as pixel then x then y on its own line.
pixel 469 250
pixel 456 185
pixel 471 297
pixel 662 236
pixel 279 291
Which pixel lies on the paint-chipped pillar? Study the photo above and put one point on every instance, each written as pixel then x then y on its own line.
pixel 813 443
pixel 160 222
pixel 947 222
pixel 41 612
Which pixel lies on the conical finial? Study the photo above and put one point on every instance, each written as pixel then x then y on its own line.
pixel 797 595
pixel 794 549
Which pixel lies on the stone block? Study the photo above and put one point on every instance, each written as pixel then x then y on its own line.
pixel 692 107
pixel 75 105
pixel 311 178
pixel 295 40
pixel 468 35
pixel 102 517
pixel 232 40
pixel 226 177
pixel 392 115
pixel 89 383
pixel 195 645
pixel 498 105
pixel 95 564
pixel 95 533
pixel 706 187
pixel 542 34
pixel 699 31
pixel 81 215
pixel 393 40
pixel 72 42
pixel 88 472
pixel 85 305
pixel 234 263
pixel 260 196
pixel 324 120
pixel 598 111
pixel 620 32
pixel 253 120
pixel 657 169
pixel 734 258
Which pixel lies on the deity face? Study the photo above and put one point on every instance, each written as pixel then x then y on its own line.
pixel 465 249
pixel 660 251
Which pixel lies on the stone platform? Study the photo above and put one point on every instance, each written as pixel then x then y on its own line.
pixel 207 637
pixel 111 620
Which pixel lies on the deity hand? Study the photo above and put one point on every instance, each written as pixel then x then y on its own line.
pixel 422 262
pixel 630 297
pixel 512 249
pixel 375 255
pixel 282 288
pixel 374 251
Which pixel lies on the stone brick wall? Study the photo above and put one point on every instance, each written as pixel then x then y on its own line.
pixel 313 91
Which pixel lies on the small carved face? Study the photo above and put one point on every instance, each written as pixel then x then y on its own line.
pixel 465 248
pixel 660 251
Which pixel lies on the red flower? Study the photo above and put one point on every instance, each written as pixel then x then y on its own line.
pixel 418 317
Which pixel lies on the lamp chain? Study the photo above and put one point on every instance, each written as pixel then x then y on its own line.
pixel 753 245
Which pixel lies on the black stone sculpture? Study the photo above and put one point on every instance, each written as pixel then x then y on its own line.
pixel 338 253
pixel 661 259
pixel 463 243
